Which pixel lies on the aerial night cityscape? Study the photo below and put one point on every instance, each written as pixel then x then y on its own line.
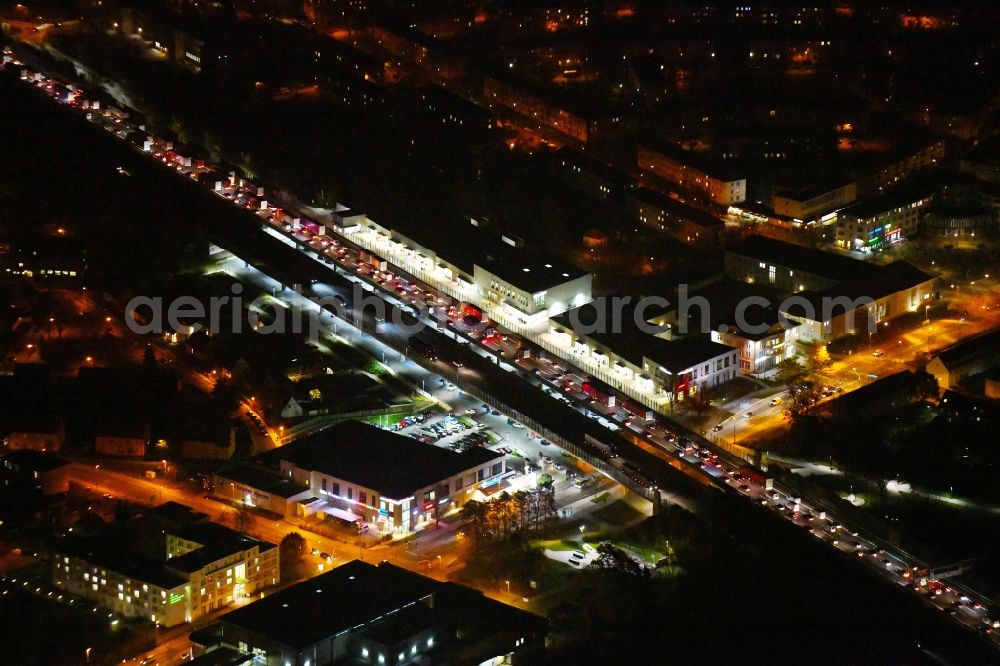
pixel 482 332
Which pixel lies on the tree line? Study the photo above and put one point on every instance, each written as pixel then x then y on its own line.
pixel 505 515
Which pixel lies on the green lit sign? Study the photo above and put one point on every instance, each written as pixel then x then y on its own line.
pixel 174 597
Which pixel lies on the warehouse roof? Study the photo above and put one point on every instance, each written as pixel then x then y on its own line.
pixel 393 465
pixel 340 600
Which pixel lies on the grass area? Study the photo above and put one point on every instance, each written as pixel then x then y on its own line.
pixel 601 497
pixel 558 544
pixel 492 436
pixel 617 513
pixel 648 555
pixel 466 421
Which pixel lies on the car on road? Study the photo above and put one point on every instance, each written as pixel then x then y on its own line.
pixel 326 556
pixel 877 353
pixel 776 401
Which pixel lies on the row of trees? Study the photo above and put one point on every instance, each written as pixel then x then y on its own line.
pixel 505 515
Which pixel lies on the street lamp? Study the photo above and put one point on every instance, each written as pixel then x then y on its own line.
pixel 508 586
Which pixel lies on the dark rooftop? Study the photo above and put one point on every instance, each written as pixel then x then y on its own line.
pixel 393 465
pixel 176 514
pixel 811 190
pixel 108 555
pixel 704 162
pixel 217 542
pixel 895 198
pixel 623 337
pixel 346 597
pixel 262 479
pixel 30 459
pixel 889 279
pixel 971 348
pixel 674 207
pixel 569 156
pixel 806 259
pixel 461 244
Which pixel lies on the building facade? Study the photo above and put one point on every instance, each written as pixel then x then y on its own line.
pixel 673 218
pixel 813 203
pixel 680 169
pixel 359 474
pixel 206 567
pixel 877 224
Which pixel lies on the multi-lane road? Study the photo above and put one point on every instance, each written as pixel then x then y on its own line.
pixel 691 451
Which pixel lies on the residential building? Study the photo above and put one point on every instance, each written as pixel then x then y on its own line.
pixel 592 177
pixel 27 468
pixel 883 221
pixel 964 359
pixel 983 161
pixel 968 221
pixel 566 116
pixel 451 111
pixel 125 438
pixel 36 431
pixel 760 352
pixel 358 473
pixel 205 567
pixel 675 219
pixel 921 153
pixel 693 172
pixel 381 614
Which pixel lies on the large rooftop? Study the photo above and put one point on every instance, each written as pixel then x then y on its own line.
pixel 347 597
pixel 970 349
pixel 889 279
pixel 393 465
pixel 464 246
pixel 805 259
pixel 622 336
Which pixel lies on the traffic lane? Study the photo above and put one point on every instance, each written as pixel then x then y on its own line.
pixel 149 493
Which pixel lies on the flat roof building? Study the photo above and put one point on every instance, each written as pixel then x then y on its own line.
pixel 962 360
pixel 693 172
pixel 814 202
pixel 673 218
pixel 609 342
pixel 367 614
pixel 359 473
pixel 27 468
pixel 834 295
pixel 516 286
pixel 877 223
pixel 206 566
